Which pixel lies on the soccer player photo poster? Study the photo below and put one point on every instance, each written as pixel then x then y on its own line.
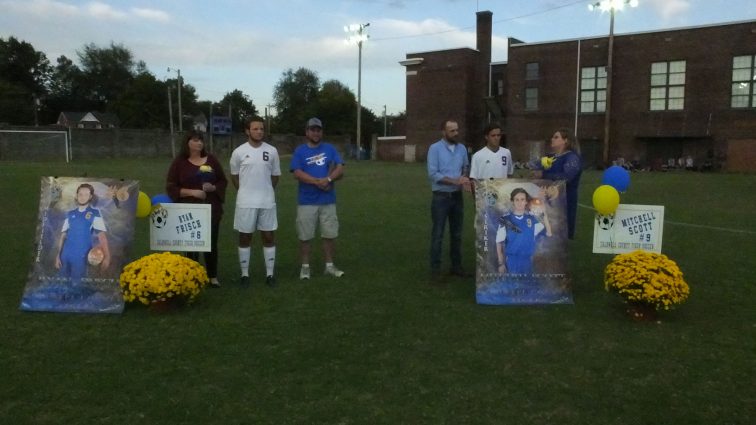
pixel 84 231
pixel 521 242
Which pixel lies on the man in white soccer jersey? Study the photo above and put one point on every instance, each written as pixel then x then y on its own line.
pixel 492 161
pixel 255 169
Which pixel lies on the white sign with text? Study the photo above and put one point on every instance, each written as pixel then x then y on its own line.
pixel 180 227
pixel 631 227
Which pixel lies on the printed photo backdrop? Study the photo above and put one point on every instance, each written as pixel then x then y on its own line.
pixel 521 245
pixel 81 245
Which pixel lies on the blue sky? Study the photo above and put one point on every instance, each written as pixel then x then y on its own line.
pixel 223 45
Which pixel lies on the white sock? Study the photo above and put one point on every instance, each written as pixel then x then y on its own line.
pixel 244 260
pixel 269 253
pixel 329 265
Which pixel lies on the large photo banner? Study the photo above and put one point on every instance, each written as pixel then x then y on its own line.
pixel 521 242
pixel 85 228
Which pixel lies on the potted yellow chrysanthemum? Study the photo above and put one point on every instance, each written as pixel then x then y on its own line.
pixel 163 278
pixel 647 281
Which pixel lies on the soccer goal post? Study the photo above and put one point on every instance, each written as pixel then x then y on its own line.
pixel 34 144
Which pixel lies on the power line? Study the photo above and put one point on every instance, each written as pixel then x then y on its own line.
pixel 399 37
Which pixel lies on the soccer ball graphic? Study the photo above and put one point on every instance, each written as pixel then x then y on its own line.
pixel 159 217
pixel 605 222
pixel 95 256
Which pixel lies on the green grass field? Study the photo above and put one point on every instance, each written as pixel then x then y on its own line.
pixel 380 345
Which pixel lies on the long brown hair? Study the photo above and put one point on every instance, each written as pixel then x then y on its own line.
pixel 192 134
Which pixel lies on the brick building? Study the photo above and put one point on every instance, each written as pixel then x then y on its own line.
pixel 448 84
pixel 675 93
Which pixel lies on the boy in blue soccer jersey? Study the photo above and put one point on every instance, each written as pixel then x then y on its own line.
pixel 516 236
pixel 76 236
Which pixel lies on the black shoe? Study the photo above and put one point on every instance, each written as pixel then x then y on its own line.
pixel 244 281
pixel 460 272
pixel 270 281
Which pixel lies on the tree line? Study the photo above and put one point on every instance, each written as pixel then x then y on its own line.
pixel 109 79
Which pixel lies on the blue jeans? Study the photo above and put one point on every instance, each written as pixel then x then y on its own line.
pixel 446 205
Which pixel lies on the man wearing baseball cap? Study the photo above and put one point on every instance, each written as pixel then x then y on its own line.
pixel 317 165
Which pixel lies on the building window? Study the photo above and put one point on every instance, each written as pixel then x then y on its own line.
pixel 500 87
pixel 531 98
pixel 743 80
pixel 531 71
pixel 593 89
pixel 667 86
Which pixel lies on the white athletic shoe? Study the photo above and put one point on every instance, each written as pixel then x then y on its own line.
pixel 304 273
pixel 333 271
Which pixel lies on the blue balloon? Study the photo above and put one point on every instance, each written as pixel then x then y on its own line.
pixel 617 177
pixel 161 198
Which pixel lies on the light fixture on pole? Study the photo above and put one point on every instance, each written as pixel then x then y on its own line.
pixel 357 34
pixel 180 116
pixel 609 6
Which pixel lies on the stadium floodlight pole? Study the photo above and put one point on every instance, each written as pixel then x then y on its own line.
pixel 180 116
pixel 609 6
pixel 357 34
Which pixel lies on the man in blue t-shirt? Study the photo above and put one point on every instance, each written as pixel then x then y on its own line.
pixel 76 237
pixel 316 165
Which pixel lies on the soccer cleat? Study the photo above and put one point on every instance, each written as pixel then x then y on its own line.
pixel 270 281
pixel 304 273
pixel 214 283
pixel 244 281
pixel 333 271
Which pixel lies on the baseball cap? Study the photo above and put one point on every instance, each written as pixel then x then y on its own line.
pixel 314 122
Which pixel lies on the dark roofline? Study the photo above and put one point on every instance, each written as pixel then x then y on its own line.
pixel 723 24
pixel 442 50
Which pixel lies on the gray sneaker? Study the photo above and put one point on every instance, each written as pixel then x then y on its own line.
pixel 333 271
pixel 304 273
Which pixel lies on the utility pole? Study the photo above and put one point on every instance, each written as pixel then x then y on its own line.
pixel 170 119
pixel 210 126
pixel 36 110
pixel 180 114
pixel 384 122
pixel 269 117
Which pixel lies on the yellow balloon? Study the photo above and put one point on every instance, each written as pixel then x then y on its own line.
pixel 144 205
pixel 606 199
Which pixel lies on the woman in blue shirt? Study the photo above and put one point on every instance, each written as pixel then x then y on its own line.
pixel 565 165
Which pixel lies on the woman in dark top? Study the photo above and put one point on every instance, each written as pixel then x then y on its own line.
pixel 196 177
pixel 566 165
